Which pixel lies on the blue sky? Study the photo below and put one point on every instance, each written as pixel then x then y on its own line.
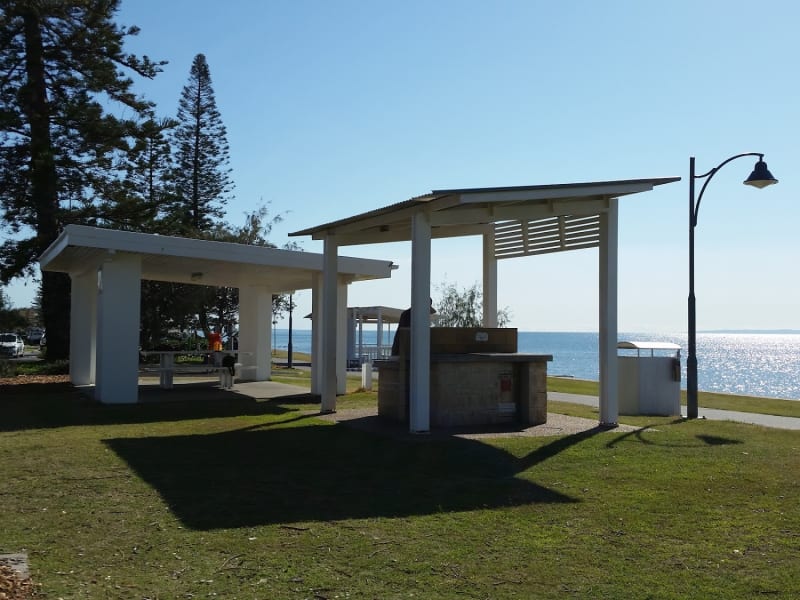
pixel 338 107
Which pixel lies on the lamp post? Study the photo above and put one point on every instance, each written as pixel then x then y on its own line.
pixel 760 178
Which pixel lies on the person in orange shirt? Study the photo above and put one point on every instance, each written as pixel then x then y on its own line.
pixel 214 341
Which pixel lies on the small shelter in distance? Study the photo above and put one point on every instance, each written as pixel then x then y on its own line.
pixel 359 351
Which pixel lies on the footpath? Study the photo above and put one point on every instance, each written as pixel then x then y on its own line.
pixel 703 413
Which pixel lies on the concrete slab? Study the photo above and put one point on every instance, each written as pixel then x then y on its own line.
pixel 18 562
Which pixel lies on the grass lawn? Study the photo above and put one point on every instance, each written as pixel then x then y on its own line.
pixel 754 404
pixel 263 500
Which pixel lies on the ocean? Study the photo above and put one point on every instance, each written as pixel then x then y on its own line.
pixel 754 364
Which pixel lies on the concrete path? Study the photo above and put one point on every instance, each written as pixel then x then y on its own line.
pixel 704 413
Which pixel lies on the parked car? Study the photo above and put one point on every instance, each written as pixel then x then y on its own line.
pixel 34 336
pixel 11 345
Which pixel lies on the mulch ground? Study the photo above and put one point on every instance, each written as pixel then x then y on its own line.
pixel 14 587
pixel 25 379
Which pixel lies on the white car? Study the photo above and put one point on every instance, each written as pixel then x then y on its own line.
pixel 11 345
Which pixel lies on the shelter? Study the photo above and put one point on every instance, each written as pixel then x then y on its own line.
pixel 513 222
pixel 357 316
pixel 106 268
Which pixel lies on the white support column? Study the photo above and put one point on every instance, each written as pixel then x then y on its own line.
pixel 118 297
pixel 255 332
pixel 379 338
pixel 420 374
pixel 609 382
pixel 83 327
pixel 342 334
pixel 330 275
pixel 360 321
pixel 489 279
pixel 316 333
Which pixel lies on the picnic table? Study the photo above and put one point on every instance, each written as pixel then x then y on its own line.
pixel 167 367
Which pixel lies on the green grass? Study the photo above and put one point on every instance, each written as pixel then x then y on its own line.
pixel 248 499
pixel 754 404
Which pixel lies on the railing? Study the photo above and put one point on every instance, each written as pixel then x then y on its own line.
pixel 369 352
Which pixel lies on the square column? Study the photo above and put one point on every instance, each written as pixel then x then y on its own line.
pixel 316 333
pixel 609 381
pixel 83 327
pixel 330 276
pixel 118 298
pixel 255 332
pixel 489 279
pixel 420 369
pixel 341 338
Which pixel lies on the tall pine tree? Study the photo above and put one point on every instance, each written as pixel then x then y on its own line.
pixel 201 183
pixel 201 177
pixel 62 63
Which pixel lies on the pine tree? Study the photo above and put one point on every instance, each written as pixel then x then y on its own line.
pixel 201 177
pixel 62 64
pixel 135 203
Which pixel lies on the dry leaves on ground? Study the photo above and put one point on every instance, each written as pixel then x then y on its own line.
pixel 12 587
pixel 23 379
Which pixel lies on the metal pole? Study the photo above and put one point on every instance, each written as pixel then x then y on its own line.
pixel 289 345
pixel 760 177
pixel 691 358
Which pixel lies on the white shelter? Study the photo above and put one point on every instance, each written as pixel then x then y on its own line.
pixel 512 222
pixel 357 317
pixel 106 268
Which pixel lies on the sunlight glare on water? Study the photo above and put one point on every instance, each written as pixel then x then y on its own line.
pixel 754 364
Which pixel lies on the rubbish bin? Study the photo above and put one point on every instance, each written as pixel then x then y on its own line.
pixel 650 383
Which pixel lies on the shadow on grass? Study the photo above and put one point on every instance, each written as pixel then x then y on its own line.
pixel 49 405
pixel 714 440
pixel 556 447
pixel 279 474
pixel 709 440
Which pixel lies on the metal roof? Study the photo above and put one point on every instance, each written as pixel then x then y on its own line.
pixel 532 219
pixel 165 258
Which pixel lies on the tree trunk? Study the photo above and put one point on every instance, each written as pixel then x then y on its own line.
pixel 44 186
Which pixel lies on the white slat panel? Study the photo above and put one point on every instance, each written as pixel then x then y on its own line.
pixel 546 235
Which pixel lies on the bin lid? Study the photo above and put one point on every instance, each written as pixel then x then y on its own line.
pixel 648 346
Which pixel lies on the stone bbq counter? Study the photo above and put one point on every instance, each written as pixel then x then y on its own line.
pixel 476 378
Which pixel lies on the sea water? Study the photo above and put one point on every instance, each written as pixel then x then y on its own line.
pixel 754 364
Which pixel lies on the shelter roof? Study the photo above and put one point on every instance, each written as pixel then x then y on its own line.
pixel 202 262
pixel 369 314
pixel 468 211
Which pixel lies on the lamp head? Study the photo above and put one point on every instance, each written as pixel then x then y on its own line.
pixel 760 177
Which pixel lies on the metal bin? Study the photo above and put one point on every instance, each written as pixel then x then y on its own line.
pixel 650 383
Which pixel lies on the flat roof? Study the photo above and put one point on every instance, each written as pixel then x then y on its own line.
pixel 202 262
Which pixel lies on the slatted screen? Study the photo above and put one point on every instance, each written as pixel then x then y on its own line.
pixel 542 236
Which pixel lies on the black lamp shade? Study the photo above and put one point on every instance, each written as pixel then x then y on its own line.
pixel 760 177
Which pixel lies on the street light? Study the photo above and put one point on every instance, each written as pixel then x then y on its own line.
pixel 760 178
